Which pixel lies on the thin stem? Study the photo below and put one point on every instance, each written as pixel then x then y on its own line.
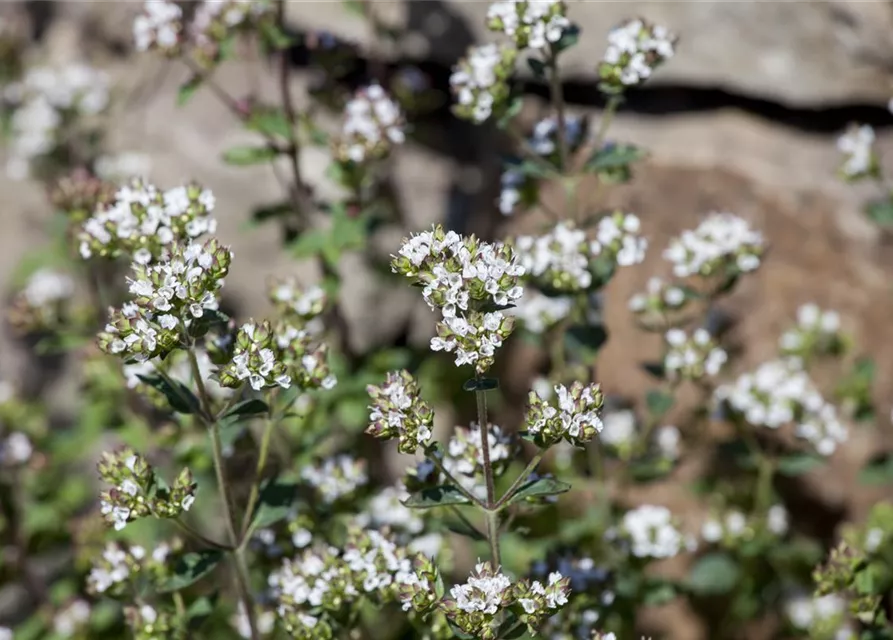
pixel 200 537
pixel 764 483
pixel 607 117
pixel 231 103
pixel 492 514
pixel 258 475
pixel 557 94
pixel 520 479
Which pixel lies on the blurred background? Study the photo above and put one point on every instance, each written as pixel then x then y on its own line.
pixel 744 119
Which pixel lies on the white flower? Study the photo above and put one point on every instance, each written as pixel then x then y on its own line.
pixel 530 23
pixel 777 519
pixel 722 241
pixel 70 619
pixel 667 439
pixel 559 258
pixel 635 49
pixel 335 477
pixel 538 313
pixel 478 81
pixel 373 123
pixel 159 25
pixel 619 428
pixel 652 533
pixel 692 357
pixel 857 144
pixel 123 166
pixel 485 591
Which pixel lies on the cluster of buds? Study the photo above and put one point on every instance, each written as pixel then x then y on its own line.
pixel 41 304
pixel 529 23
pixel 660 298
pixel 136 491
pixel 576 418
pixel 79 194
pixel 480 81
pixel 723 244
pixel 651 532
pixel 169 297
pixel 398 411
pixel 779 393
pixel 115 571
pixel 373 124
pixel 540 601
pixel 817 332
pixel 692 357
pixel 538 312
pixel 558 260
pixel 470 282
pixel 861 159
pixel 734 526
pixel 266 356
pixel 144 222
pixel 418 590
pixel 478 606
pixel 635 50
pixel 148 623
pixel 617 239
pixel 336 477
pixel 370 565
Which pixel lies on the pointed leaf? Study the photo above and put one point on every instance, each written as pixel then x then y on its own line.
pixel 248 155
pixel 537 67
pixel 247 408
pixel 178 395
pixel 713 574
pixel 878 471
pixel 481 384
pixel 658 402
pixel 187 90
pixel 275 502
pixel 190 568
pixel 797 464
pixel 539 488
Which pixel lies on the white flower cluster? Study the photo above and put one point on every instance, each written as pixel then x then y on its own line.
pixel 465 279
pixel 559 258
pixel 513 183
pixel 168 297
pixel 652 533
pixel 265 621
pixel 47 287
pixel 159 26
pixel 721 243
pixel 816 331
pixel 386 510
pixel 538 312
pixel 72 618
pixel 635 49
pixel 486 591
pixel 857 144
pixel 145 221
pixel 370 565
pixel 618 429
pixel 780 392
pixel 373 124
pixel 117 564
pixel 618 236
pixel 47 100
pixel 575 419
pixel 692 357
pixel 398 411
pixel 733 524
pixel 336 477
pixel 667 438
pixel 15 449
pixel 480 81
pixel 659 297
pixel 807 611
pixel 306 303
pixel 465 450
pixel 529 23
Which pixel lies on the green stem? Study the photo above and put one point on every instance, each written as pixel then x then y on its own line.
pixel 764 483
pixel 520 480
pixel 492 514
pixel 258 475
pixel 557 94
pixel 188 530
pixel 607 117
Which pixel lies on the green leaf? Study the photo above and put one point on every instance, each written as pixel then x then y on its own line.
pixel 463 528
pixel 656 369
pixel 586 338
pixel 269 212
pixel 713 574
pixel 310 243
pixel 481 384
pixel 797 464
pixel 511 111
pixel 537 67
pixel 613 162
pixel 190 568
pixel 275 37
pixel 569 38
pixel 210 318
pixel 247 155
pixel 659 593
pixel 658 402
pixel 539 488
pixel 878 471
pixel 187 90
pixel 442 496
pixel 200 610
pixel 880 212
pixel 270 122
pixel 274 503
pixel 179 397
pixel 247 408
